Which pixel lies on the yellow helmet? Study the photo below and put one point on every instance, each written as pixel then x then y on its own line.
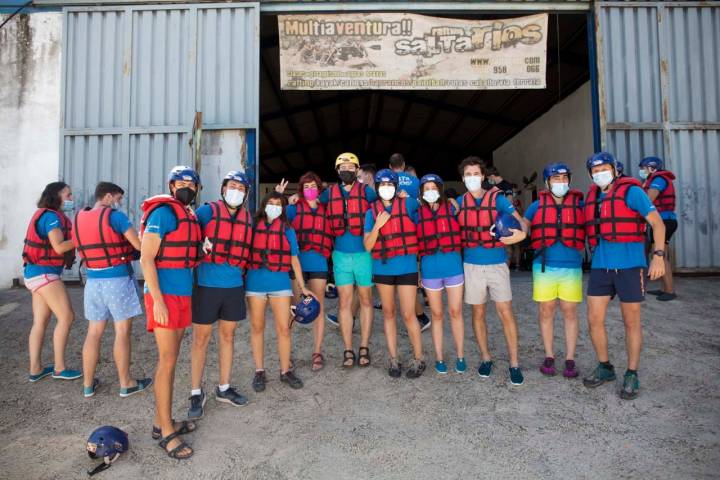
pixel 347 157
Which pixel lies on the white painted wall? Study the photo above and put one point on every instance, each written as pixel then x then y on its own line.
pixel 30 51
pixel 562 134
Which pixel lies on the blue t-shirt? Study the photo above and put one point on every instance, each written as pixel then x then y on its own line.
pixel 216 275
pixel 660 184
pixel 347 242
pixel 441 264
pixel 264 280
pixel 400 264
pixel 488 256
pixel 120 223
pixel 557 255
pixel 173 281
pixel 47 222
pixel 409 183
pixel 619 255
pixel 310 261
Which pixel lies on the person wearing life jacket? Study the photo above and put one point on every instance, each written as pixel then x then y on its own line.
pixel 485 262
pixel 274 253
pixel 616 210
pixel 391 239
pixel 346 204
pixel 439 248
pixel 556 222
pixel 107 243
pixel 219 296
pixel 659 186
pixel 171 247
pixel 48 248
pixel 312 228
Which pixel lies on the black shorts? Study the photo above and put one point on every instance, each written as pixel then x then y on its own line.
pixel 404 279
pixel 310 275
pixel 210 304
pixel 670 228
pixel 627 283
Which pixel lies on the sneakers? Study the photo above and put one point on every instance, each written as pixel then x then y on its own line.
pixel 485 369
pixel 90 391
pixel 417 367
pixel 333 319
pixel 460 365
pixel 142 384
pixel 516 376
pixel 424 322
pixel 67 374
pixel 654 292
pixel 377 305
pixel 395 368
pixel 548 367
pixel 601 375
pixel 230 396
pixel 259 381
pixel 631 386
pixel 293 381
pixel 197 406
pixel 666 297
pixel 440 367
pixel 43 373
pixel 570 369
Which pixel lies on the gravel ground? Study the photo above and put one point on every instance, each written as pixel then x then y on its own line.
pixel 363 424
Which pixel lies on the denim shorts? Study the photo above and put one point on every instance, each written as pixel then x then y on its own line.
pixel 115 297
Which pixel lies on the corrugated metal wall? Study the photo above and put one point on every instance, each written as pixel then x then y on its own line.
pixel 659 65
pixel 133 78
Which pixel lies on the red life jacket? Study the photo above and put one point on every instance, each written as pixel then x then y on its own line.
pixel 231 235
pixel 399 235
pixel 270 247
pixel 611 217
pixel 347 213
pixel 564 222
pixel 97 243
pixel 665 201
pixel 38 250
pixel 180 248
pixel 312 229
pixel 475 220
pixel 437 230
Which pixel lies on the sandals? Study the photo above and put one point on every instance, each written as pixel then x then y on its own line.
pixel 363 356
pixel 348 355
pixel 185 428
pixel 175 452
pixel 318 362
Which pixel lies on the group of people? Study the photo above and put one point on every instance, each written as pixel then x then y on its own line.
pixel 386 229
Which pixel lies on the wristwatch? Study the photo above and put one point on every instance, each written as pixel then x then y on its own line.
pixel 659 253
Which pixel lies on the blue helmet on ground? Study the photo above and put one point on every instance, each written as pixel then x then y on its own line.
pixel 503 223
pixel 331 291
pixel 182 172
pixel 237 176
pixel 431 177
pixel 307 310
pixel 107 443
pixel 557 168
pixel 601 158
pixel 386 175
pixel 620 167
pixel 653 162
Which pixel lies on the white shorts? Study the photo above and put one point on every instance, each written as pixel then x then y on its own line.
pixel 481 279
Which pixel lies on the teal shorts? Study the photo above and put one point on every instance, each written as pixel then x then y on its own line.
pixel 352 268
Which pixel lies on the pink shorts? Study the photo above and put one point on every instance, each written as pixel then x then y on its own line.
pixel 37 282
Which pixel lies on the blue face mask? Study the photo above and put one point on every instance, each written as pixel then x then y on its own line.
pixel 643 173
pixel 560 189
pixel 68 205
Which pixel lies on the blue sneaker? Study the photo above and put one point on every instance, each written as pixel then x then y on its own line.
pixel 197 406
pixel 485 369
pixel 90 391
pixel 440 367
pixel 460 365
pixel 516 376
pixel 67 374
pixel 231 396
pixel 142 384
pixel 43 373
pixel 332 319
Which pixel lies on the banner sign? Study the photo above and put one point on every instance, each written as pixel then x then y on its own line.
pixel 402 51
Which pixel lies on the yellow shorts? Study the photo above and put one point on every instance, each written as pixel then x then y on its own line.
pixel 562 283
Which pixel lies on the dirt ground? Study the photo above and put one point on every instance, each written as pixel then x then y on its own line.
pixel 363 424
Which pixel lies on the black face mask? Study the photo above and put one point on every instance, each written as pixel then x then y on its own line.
pixel 347 177
pixel 185 195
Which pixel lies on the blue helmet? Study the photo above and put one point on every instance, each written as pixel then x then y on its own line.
pixel 557 168
pixel 307 310
pixel 601 158
pixel 431 177
pixel 620 167
pixel 107 443
pixel 181 172
pixel 504 223
pixel 238 176
pixel 653 162
pixel 386 175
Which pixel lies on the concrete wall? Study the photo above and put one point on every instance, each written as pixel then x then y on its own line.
pixel 564 133
pixel 30 51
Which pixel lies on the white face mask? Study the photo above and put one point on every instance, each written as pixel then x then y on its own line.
pixel 273 211
pixel 559 189
pixel 386 192
pixel 644 174
pixel 234 198
pixel 431 196
pixel 473 183
pixel 603 179
pixel 68 205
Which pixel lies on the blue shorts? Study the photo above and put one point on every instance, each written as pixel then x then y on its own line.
pixel 437 284
pixel 116 297
pixel 627 283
